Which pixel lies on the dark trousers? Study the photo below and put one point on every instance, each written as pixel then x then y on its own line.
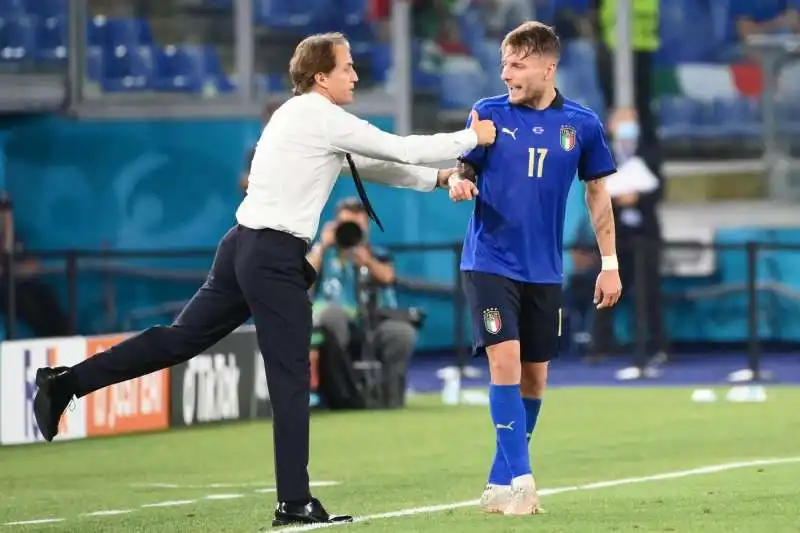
pixel 646 285
pixel 258 272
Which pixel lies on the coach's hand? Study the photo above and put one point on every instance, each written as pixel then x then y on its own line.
pixel 483 128
pixel 608 289
pixel 461 189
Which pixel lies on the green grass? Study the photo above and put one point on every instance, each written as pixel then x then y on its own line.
pixel 430 454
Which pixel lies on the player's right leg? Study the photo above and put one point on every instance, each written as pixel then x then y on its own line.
pixel 494 306
pixel 215 310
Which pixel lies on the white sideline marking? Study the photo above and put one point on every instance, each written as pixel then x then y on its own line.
pixel 267 486
pixel 33 522
pixel 170 503
pixel 713 469
pixel 224 496
pixel 110 512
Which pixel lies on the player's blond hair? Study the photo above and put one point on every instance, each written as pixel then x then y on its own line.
pixel 533 38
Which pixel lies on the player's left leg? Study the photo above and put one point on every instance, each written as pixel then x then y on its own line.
pixel 540 338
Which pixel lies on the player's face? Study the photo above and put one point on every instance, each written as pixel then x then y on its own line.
pixel 527 76
pixel 340 83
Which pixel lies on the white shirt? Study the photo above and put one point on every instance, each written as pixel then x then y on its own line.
pixel 302 151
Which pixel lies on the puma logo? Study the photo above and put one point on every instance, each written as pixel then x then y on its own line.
pixel 509 132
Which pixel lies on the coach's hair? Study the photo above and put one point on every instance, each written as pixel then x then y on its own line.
pixel 533 38
pixel 315 54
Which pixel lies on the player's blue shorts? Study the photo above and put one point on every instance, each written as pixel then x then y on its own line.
pixel 503 309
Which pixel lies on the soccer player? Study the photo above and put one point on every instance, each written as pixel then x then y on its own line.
pixel 512 257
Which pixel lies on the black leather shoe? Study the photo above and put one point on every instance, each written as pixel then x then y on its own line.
pixel 313 512
pixel 56 389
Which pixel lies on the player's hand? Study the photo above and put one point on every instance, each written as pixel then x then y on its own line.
pixel 443 177
pixel 483 128
pixel 608 289
pixel 461 189
pixel 328 235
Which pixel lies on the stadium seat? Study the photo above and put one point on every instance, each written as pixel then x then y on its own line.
pixel 12 8
pixel 127 69
pixel 189 68
pixel 738 117
pixel 47 8
pixel 113 32
pixel 308 16
pixel 678 117
pixel 462 83
pixel 51 39
pixel 17 38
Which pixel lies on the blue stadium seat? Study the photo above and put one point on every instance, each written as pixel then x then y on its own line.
pixel 739 117
pixel 685 30
pixel 12 8
pixel 679 117
pixel 308 16
pixel 189 68
pixel 47 8
pixel 128 69
pixel 17 38
pixel 355 12
pixel 51 39
pixel 112 32
pixel 461 85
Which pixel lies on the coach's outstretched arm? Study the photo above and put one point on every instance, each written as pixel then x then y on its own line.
pixel 348 133
pixel 423 179
pixel 608 288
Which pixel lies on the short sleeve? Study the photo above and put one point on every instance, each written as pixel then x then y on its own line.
pixel 595 160
pixel 476 156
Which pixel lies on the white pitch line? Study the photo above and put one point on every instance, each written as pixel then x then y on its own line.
pixel 267 486
pixel 713 469
pixel 110 512
pixel 170 503
pixel 224 496
pixel 34 522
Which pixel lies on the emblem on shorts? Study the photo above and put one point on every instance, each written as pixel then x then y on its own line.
pixel 568 138
pixel 491 320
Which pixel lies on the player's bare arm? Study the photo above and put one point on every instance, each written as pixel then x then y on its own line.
pixel 609 287
pixel 462 182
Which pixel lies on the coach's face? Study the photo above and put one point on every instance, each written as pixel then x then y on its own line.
pixel 527 76
pixel 340 83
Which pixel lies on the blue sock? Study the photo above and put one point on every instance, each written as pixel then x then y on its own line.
pixel 532 408
pixel 508 415
pixel 500 474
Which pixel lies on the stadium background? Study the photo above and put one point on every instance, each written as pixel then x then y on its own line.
pixel 126 126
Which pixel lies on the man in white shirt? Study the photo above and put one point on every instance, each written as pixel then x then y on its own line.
pixel 260 269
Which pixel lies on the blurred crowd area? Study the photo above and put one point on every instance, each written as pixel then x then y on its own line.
pixel 696 73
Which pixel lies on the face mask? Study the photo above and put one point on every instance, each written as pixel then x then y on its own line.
pixel 627 131
pixel 626 137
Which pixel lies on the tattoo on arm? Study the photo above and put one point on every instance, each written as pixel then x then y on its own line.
pixel 602 213
pixel 466 171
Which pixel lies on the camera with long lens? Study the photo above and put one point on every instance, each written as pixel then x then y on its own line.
pixel 348 234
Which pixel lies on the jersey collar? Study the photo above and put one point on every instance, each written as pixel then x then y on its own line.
pixel 558 101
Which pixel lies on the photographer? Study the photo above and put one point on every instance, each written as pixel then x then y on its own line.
pixel 353 296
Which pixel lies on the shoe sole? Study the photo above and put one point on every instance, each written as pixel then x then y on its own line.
pixel 280 522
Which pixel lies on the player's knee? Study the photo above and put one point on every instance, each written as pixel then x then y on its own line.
pixel 534 379
pixel 504 363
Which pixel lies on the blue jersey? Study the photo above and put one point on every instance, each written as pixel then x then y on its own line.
pixel 517 226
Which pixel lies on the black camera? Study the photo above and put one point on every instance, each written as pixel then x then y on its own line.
pixel 348 234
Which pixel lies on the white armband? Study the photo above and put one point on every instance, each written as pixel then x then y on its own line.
pixel 609 262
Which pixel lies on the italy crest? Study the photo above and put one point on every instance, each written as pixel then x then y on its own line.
pixel 491 320
pixel 568 138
